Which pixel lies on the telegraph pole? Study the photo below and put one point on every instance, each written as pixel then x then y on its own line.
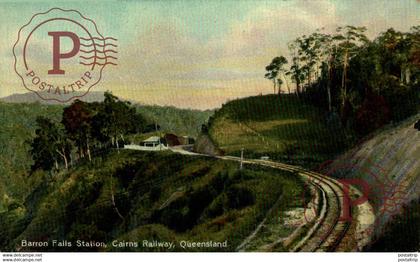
pixel 158 133
pixel 242 159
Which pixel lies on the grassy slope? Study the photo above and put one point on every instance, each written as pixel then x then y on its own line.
pixel 176 120
pixel 286 129
pixel 17 125
pixel 151 191
pixel 282 127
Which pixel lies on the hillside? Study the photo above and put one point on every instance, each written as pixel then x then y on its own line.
pixel 176 120
pixel 16 130
pixel 282 127
pixel 18 126
pixel 389 162
pixel 169 118
pixel 131 195
pixel 289 130
pixel 391 154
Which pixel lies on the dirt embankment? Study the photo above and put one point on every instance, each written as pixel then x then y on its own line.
pixel 205 145
pixel 389 162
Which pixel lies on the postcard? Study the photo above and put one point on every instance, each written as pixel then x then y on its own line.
pixel 210 126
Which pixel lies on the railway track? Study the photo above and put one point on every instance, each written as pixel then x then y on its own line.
pixel 327 231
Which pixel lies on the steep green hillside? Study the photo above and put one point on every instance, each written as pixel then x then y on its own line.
pixel 176 120
pixel 17 126
pixel 132 195
pixel 281 127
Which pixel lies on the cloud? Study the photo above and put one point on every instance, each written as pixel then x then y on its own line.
pixel 199 55
pixel 166 56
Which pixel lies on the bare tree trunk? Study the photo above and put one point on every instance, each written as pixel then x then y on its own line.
pixel 329 97
pixel 407 75
pixel 329 86
pixel 402 80
pixel 118 145
pixel 88 151
pixel 297 88
pixel 66 164
pixel 63 155
pixel 81 152
pixel 344 77
pixel 274 85
pixel 287 83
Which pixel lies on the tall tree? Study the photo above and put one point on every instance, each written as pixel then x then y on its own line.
pixel 296 71
pixel 77 121
pixel 50 145
pixel 309 53
pixel 115 119
pixel 327 58
pixel 350 39
pixel 394 54
pixel 275 70
pixel 415 47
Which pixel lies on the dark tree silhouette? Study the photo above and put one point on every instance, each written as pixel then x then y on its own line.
pixel 275 70
pixel 417 125
pixel 50 145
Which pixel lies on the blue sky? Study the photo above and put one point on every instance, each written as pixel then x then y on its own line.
pixel 199 54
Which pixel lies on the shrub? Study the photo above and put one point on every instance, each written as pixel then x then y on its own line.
pixel 402 101
pixel 127 173
pixel 219 182
pixel 198 201
pixel 216 208
pixel 373 114
pixel 417 125
pixel 12 206
pixel 201 172
pixel 155 193
pixel 240 175
pixel 173 219
pixel 239 197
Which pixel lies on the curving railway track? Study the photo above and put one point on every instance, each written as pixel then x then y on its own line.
pixel 327 231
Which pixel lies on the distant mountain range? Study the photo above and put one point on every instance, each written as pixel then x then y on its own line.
pixel 31 97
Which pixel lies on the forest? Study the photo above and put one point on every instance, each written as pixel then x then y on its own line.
pixel 84 127
pixel 363 83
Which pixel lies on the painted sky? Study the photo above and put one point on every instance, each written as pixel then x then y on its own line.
pixel 199 54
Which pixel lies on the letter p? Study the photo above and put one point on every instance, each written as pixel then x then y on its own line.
pixel 57 55
pixel 347 201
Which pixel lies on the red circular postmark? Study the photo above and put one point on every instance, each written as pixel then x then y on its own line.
pixel 386 195
pixel 60 54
